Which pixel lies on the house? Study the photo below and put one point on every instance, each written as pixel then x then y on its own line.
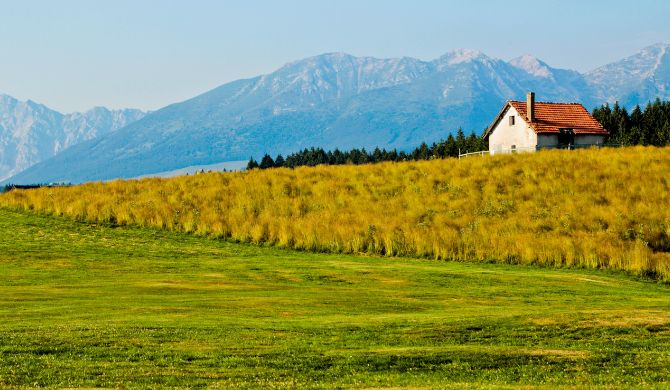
pixel 530 126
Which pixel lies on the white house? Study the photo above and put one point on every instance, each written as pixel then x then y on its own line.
pixel 529 126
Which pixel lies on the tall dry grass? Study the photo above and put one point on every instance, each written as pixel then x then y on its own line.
pixel 589 208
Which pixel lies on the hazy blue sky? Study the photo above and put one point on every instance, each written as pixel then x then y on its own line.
pixel 75 54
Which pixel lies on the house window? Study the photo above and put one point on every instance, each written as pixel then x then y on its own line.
pixel 511 120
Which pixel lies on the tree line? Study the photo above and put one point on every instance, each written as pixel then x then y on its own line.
pixel 318 156
pixel 650 126
pixel 9 187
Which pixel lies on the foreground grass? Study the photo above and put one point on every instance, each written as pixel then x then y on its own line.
pixel 588 208
pixel 97 306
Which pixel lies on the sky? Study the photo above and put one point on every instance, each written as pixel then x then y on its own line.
pixel 72 55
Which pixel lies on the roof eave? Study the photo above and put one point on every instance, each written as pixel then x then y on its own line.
pixel 594 132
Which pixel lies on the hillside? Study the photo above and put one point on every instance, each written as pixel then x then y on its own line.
pixel 588 208
pixel 31 132
pixel 340 101
pixel 97 306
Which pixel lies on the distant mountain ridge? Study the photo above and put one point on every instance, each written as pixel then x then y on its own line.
pixel 337 100
pixel 31 132
pixel 634 80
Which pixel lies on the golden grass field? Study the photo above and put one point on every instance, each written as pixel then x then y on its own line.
pixel 604 208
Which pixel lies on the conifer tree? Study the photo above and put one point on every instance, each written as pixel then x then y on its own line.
pixel 252 164
pixel 377 156
pixel 266 162
pixel 472 143
pixel 421 153
pixel 664 134
pixel 460 141
pixel 451 146
pixel 279 161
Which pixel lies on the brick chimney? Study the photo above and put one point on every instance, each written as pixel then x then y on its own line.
pixel 530 106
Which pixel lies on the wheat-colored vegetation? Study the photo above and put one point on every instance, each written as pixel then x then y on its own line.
pixel 590 208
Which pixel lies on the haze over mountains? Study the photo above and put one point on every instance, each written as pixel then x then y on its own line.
pixel 31 132
pixel 340 101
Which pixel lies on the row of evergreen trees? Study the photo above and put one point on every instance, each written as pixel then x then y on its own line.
pixel 9 187
pixel 317 156
pixel 650 126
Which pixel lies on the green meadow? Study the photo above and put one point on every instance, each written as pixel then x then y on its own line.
pixel 96 305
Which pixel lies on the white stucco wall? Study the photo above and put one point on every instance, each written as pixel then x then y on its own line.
pixel 505 136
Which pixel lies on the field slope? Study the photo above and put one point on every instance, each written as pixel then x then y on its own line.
pixel 93 305
pixel 591 208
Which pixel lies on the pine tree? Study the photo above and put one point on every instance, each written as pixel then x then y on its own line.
pixel 267 162
pixel 603 115
pixel 441 149
pixel 321 157
pixel 252 164
pixel 339 157
pixel 635 136
pixel 664 134
pixel 393 155
pixel 483 142
pixel 451 146
pixel 432 151
pixel 472 143
pixel 618 123
pixel 377 156
pixel 279 161
pixel 460 141
pixel 653 122
pixel 421 153
pixel 622 132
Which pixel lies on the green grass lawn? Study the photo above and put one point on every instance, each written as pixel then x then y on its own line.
pixel 96 306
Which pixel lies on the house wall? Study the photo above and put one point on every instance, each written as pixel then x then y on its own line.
pixel 589 139
pixel 505 136
pixel 551 140
pixel 544 140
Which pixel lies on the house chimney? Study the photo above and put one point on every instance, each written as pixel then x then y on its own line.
pixel 530 106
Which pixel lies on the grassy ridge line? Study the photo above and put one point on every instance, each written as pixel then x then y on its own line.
pixel 590 208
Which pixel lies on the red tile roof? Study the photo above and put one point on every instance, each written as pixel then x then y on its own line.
pixel 550 117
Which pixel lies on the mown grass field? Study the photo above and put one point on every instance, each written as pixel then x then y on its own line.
pixel 603 209
pixel 94 305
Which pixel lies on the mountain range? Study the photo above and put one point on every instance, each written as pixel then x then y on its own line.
pixel 31 132
pixel 340 101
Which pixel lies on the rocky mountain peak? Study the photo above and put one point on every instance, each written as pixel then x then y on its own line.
pixel 532 65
